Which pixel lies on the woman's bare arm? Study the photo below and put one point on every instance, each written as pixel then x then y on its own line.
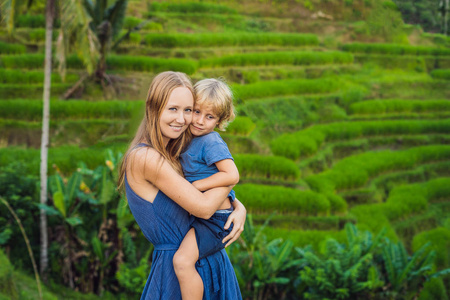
pixel 157 171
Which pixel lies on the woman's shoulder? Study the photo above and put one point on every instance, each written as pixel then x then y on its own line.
pixel 144 155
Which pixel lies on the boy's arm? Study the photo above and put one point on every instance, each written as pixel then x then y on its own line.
pixel 228 175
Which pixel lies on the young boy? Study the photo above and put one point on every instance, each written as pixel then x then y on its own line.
pixel 207 163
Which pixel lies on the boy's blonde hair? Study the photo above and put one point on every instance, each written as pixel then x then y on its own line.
pixel 217 93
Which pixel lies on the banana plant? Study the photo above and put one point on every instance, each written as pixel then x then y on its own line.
pixel 406 274
pixel 68 197
pixel 103 258
pixel 272 266
pixel 343 271
pixel 243 252
pixel 262 268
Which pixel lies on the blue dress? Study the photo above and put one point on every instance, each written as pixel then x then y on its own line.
pixel 164 223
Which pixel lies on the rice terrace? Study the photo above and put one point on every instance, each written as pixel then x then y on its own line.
pixel 342 142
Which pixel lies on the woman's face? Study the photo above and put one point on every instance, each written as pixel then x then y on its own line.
pixel 177 114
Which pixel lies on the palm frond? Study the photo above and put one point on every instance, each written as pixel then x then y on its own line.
pixel 115 14
pixel 75 31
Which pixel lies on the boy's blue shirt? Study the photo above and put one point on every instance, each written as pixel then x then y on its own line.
pixel 198 161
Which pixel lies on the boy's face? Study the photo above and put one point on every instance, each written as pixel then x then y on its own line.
pixel 204 120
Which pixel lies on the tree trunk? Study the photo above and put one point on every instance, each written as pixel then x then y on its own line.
pixel 446 9
pixel 45 133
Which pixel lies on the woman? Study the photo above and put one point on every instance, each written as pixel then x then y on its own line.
pixel 162 201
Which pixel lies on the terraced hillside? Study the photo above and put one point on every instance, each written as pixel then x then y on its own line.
pixel 330 129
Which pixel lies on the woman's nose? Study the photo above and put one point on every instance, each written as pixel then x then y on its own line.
pixel 180 118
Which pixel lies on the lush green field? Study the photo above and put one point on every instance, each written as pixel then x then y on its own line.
pixel 339 120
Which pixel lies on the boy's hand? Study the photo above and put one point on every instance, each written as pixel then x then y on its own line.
pixel 196 185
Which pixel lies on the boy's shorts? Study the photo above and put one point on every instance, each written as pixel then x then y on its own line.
pixel 210 233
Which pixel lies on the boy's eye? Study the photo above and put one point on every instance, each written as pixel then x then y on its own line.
pixel 196 111
pixel 211 117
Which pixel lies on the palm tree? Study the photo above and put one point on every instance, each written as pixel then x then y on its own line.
pixel 92 32
pixel 10 9
pixel 444 7
pixel 49 16
pixel 88 28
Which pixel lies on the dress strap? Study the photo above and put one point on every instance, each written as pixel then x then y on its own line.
pixel 141 145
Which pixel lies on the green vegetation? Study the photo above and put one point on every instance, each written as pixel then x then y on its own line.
pixel 8 76
pixel 267 199
pixel 308 141
pixel 131 63
pixel 191 7
pixel 273 167
pixel 6 48
pixel 31 21
pixel 441 74
pixel 279 58
pixel 398 106
pixel 31 110
pixel 394 49
pixel 284 87
pixel 229 39
pixel 342 127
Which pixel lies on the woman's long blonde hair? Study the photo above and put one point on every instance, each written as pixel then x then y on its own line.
pixel 149 130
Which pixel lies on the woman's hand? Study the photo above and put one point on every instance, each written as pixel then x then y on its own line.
pixel 237 217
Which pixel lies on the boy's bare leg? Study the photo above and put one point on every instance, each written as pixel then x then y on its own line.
pixel 184 260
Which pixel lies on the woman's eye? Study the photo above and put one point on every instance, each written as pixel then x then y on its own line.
pixel 188 110
pixel 173 109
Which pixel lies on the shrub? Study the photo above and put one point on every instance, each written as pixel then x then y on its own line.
pixel 338 205
pixel 7 283
pixel 30 77
pixel 229 39
pixel 24 61
pixel 31 21
pixel 405 200
pixel 303 238
pixel 398 106
pixel 81 132
pixel 354 171
pixel 6 48
pixel 241 144
pixel 272 167
pixel 241 126
pixel 266 199
pixel 65 158
pixel 144 63
pixel 441 74
pixel 121 62
pixel 11 91
pixel 278 58
pixel 308 141
pixel 285 87
pixel 153 26
pixel 440 242
pixel 394 49
pixel 130 22
pixel 31 110
pixel 191 7
pixel 413 63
